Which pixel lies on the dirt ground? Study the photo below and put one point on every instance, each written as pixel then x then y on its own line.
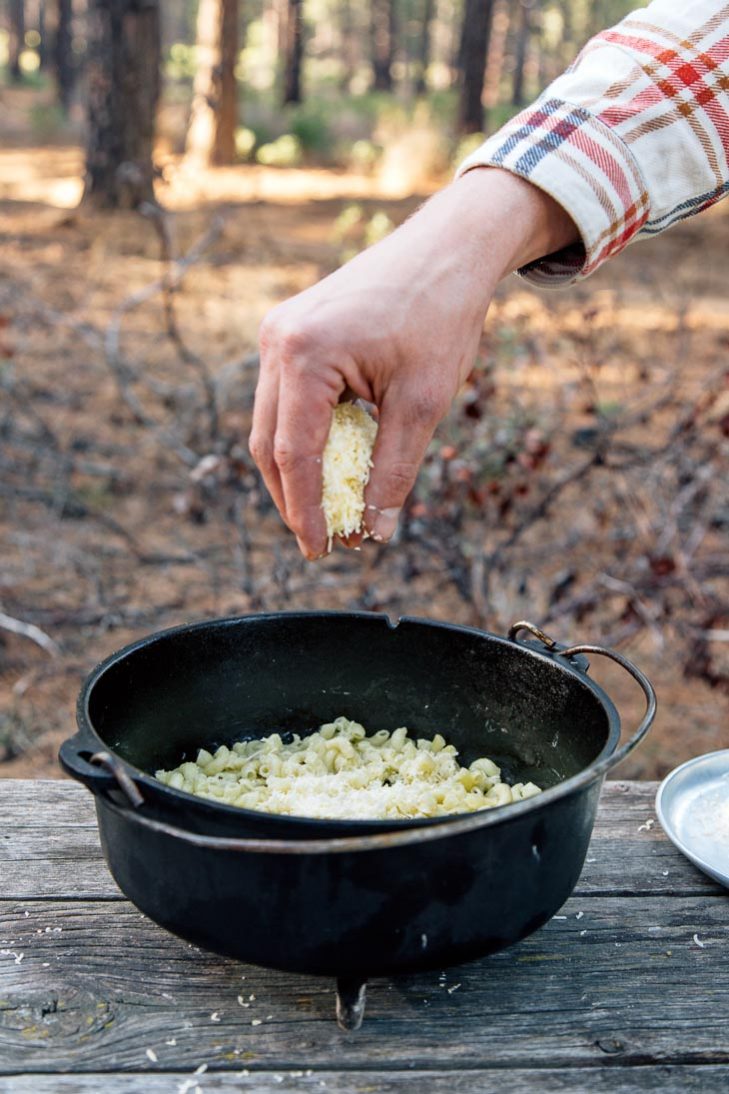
pixel 580 481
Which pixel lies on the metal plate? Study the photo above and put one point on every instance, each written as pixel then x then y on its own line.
pixel 692 805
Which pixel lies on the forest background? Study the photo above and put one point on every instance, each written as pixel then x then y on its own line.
pixel 168 172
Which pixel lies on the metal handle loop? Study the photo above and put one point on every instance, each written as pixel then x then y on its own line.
pixel 127 785
pixel 646 687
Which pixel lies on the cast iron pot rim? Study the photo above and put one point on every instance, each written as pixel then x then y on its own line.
pixel 455 822
pixel 383 841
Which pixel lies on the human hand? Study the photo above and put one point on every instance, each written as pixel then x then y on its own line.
pixel 399 326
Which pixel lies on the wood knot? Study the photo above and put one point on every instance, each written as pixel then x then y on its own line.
pixel 610 1045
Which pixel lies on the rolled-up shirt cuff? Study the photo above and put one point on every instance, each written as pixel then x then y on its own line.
pixel 586 167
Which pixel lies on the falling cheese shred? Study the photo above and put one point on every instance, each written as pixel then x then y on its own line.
pixel 346 469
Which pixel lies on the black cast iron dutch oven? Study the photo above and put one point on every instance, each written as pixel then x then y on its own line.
pixel 350 899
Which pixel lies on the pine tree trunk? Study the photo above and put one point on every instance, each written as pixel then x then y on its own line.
pixel 382 32
pixel 123 89
pixel 475 34
pixel 61 52
pixel 43 56
pixel 294 51
pixel 424 50
pixel 524 29
pixel 496 56
pixel 349 46
pixel 16 38
pixel 214 113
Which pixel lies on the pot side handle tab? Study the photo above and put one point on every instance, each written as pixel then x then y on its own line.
pixel 551 646
pixel 99 771
pixel 576 656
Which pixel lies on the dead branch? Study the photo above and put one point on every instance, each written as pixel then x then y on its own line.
pixel 30 631
pixel 160 220
pixel 121 369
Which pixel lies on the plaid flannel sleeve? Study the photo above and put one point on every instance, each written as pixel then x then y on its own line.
pixel 632 137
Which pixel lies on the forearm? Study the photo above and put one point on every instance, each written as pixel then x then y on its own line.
pixel 634 136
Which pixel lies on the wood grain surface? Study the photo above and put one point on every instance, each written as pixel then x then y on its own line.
pixel 626 988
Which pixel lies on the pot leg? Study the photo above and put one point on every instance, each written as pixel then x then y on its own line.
pixel 351 999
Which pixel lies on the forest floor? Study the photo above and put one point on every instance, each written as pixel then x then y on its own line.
pixel 580 480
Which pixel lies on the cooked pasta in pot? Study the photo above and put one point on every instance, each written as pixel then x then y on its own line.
pixel 341 772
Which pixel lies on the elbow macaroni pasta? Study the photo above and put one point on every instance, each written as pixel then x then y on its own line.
pixel 341 772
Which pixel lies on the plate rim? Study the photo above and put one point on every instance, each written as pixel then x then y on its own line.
pixel 669 829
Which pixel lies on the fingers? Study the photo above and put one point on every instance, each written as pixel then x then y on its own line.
pixel 263 431
pixel 304 418
pixel 407 424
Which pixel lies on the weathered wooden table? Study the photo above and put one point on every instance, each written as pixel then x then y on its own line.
pixel 627 988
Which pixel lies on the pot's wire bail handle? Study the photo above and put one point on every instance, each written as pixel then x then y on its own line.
pixel 643 682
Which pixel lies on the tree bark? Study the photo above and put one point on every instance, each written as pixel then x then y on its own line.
pixel 123 89
pixel 61 52
pixel 293 51
pixel 523 32
pixel 42 27
pixel 475 33
pixel 349 49
pixel 496 55
pixel 424 47
pixel 383 34
pixel 16 38
pixel 214 113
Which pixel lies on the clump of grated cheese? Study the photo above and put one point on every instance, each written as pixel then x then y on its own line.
pixel 346 469
pixel 342 772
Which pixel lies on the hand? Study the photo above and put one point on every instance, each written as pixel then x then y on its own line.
pixel 399 326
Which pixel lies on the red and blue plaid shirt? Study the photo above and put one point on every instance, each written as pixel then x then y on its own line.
pixel 632 137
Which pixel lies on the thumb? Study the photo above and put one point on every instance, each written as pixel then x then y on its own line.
pixel 407 424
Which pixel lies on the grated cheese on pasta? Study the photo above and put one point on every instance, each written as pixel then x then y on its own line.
pixel 346 467
pixel 341 772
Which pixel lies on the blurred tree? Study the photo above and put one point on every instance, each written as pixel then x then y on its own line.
pixel 122 93
pixel 475 33
pixel 349 44
pixel 523 32
pixel 16 38
pixel 61 51
pixel 214 113
pixel 293 51
pixel 42 28
pixel 496 57
pixel 383 32
pixel 424 47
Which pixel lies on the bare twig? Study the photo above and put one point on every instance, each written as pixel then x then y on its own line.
pixel 169 287
pixel 29 630
pixel 121 369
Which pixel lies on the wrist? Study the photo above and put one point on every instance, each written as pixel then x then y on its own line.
pixel 512 219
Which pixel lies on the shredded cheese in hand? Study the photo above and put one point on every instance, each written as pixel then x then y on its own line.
pixel 346 469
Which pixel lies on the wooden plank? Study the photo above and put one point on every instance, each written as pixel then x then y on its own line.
pixel 61 857
pixel 65 863
pixel 43 803
pixel 618 982
pixel 666 1080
